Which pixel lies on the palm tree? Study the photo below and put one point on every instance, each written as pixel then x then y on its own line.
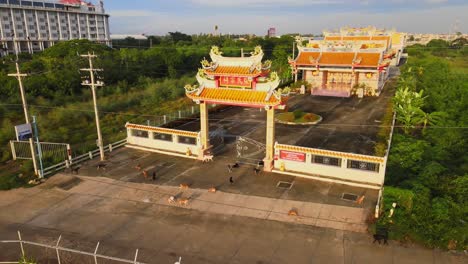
pixel 432 119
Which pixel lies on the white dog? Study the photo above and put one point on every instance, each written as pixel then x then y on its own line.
pixel 208 158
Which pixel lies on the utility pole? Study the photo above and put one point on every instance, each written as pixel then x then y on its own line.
pixel 93 85
pixel 19 76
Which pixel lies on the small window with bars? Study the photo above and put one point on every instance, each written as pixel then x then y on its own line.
pixel 187 140
pixel 362 165
pixel 325 160
pixel 162 136
pixel 139 133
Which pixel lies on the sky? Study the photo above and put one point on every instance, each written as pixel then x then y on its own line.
pixel 157 17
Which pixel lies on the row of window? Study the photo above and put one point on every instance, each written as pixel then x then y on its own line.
pixel 352 164
pixel 39 4
pixel 164 137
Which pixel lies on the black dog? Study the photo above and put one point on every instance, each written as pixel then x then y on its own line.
pixel 75 170
pixel 256 171
pixel 380 237
pixel 236 165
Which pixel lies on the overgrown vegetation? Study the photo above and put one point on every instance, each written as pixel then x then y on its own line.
pixel 427 171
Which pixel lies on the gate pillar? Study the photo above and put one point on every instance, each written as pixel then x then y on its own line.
pixel 270 139
pixel 204 129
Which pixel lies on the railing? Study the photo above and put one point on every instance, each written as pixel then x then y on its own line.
pixel 180 114
pixel 58 249
pixel 88 156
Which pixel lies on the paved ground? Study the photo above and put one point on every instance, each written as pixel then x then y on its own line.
pixel 172 171
pixel 123 222
pixel 349 124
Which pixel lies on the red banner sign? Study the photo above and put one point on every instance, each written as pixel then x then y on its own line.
pixel 235 81
pixel 294 156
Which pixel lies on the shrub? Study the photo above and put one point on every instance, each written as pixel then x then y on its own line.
pixel 298 114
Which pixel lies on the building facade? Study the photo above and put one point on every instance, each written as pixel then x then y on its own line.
pixel 348 62
pixel 31 26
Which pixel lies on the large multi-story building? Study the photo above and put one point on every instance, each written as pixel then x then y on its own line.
pixel 30 26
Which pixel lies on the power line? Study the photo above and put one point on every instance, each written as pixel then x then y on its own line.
pixel 236 120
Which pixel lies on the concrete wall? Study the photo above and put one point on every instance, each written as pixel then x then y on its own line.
pixel 158 145
pixel 339 173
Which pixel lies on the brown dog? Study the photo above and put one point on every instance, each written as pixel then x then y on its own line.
pixel 184 202
pixel 293 212
pixel 212 190
pixel 184 186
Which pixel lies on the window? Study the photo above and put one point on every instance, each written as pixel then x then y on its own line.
pixel 187 140
pixel 326 160
pixel 139 133
pixel 161 136
pixel 362 165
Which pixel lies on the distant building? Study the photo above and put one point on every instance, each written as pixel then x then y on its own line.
pixel 271 32
pixel 30 26
pixel 123 36
pixel 351 61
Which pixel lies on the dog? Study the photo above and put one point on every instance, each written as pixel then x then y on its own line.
pixel 184 202
pixel 380 237
pixel 293 212
pixel 171 199
pixel 75 170
pixel 145 174
pixel 138 167
pixel 256 171
pixel 101 166
pixel 212 190
pixel 184 186
pixel 207 158
pixel 236 165
pixel 360 200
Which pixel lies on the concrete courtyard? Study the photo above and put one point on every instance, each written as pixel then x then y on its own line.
pixel 123 219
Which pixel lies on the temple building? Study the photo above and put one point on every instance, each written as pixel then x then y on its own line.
pixel 348 62
pixel 238 81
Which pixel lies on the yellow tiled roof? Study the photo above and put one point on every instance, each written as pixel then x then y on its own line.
pixel 163 130
pixel 368 59
pixel 330 153
pixel 336 58
pixel 304 58
pixel 236 96
pixel 233 70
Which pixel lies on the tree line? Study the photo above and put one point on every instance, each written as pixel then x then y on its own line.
pixel 427 172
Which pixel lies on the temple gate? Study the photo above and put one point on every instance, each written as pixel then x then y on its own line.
pixel 238 81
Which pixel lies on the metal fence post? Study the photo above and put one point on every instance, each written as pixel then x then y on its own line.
pixel 13 150
pixel 110 147
pixel 21 243
pixel 90 155
pixel 165 119
pixel 148 122
pixel 57 250
pixel 95 252
pixel 136 256
pixel 193 110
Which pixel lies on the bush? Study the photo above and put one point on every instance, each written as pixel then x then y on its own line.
pixel 298 114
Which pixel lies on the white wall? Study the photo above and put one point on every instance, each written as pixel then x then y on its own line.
pixel 172 146
pixel 341 173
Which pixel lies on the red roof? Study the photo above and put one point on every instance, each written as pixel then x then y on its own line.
pixel 71 2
